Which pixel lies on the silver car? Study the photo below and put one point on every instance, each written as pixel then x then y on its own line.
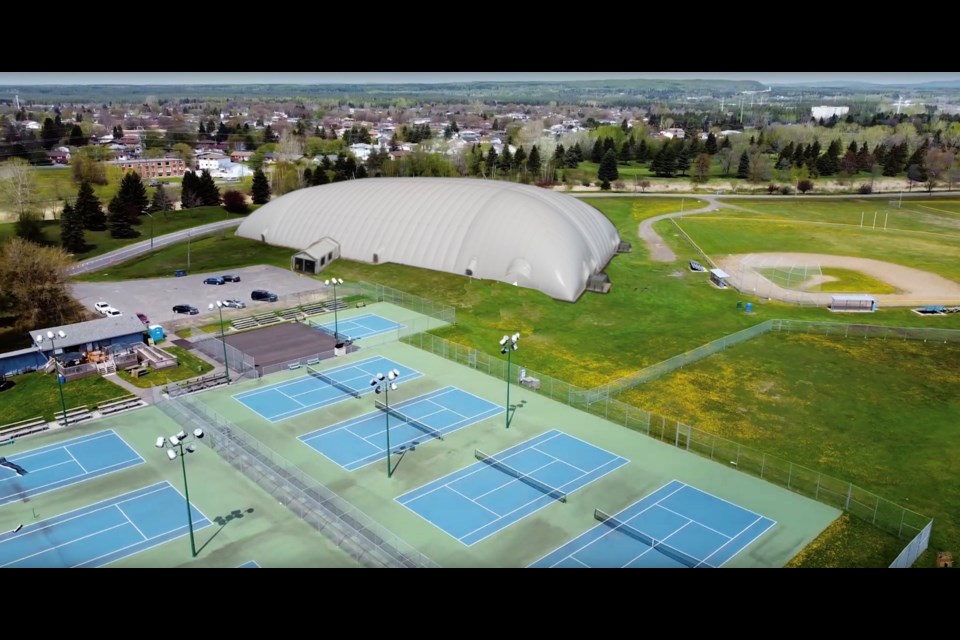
pixel 234 304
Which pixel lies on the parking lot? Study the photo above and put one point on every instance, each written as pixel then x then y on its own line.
pixel 156 297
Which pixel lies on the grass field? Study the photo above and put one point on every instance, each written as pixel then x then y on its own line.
pixel 99 242
pixel 37 394
pixel 879 413
pixel 190 366
pixel 656 311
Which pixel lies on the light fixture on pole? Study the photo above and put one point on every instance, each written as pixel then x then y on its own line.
pixel 175 450
pixel 147 213
pixel 385 384
pixel 508 344
pixel 60 379
pixel 334 282
pixel 226 365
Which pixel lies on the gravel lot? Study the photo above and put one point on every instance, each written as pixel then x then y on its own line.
pixel 156 297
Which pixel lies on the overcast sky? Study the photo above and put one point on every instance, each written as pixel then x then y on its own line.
pixel 14 78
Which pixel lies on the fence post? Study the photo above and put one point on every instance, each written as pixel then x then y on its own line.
pixel 817 495
pixel 849 496
pixel 789 474
pixel 876 508
pixel 763 463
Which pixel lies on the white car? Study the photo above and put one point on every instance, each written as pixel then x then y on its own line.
pixel 110 312
pixel 101 307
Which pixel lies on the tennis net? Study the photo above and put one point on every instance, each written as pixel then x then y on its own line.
pixel 519 475
pixel 333 383
pixel 430 431
pixel 659 545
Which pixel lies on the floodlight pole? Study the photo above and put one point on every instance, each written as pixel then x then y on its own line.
pixel 386 402
pixel 508 344
pixel 186 493
pixel 53 348
pixel 384 383
pixel 177 449
pixel 223 340
pixel 336 326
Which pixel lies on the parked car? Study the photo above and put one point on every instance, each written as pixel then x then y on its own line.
pixel 213 280
pixel 262 294
pixel 233 303
pixel 143 318
pixel 186 308
pixel 110 312
pixel 231 278
pixel 102 306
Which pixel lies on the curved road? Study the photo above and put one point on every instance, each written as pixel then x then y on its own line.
pixel 133 250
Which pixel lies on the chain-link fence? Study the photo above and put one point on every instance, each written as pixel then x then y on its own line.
pixel 913 550
pixel 425 306
pixel 840 494
pixel 369 543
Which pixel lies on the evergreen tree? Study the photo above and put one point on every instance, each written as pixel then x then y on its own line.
pixel 641 152
pixel 664 164
pixel 307 177
pixel 683 158
pixel 626 152
pixel 133 195
pixel 559 156
pixel 261 186
pixel 864 158
pixel 799 155
pixel 319 177
pixel 577 152
pixel 188 191
pixel 711 144
pixel 89 209
pixel 533 161
pixel 726 144
pixel 48 134
pixel 743 169
pixel 505 162
pixel 201 132
pixel 519 159
pixel 208 193
pixel 491 161
pixel 569 159
pixel 596 154
pixel 161 201
pixel 118 219
pixel 608 167
pixel 71 230
pixel 77 139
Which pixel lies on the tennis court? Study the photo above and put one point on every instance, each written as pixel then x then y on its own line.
pixel 304 394
pixel 361 441
pixel 675 526
pixel 369 324
pixel 250 564
pixel 65 463
pixel 102 533
pixel 483 498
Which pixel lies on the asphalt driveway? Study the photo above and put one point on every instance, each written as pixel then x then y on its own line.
pixel 156 297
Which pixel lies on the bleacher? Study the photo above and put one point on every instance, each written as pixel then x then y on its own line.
pixel 330 305
pixel 290 314
pixel 73 416
pixel 313 309
pixel 23 428
pixel 245 322
pixel 196 384
pixel 266 318
pixel 696 266
pixel 120 404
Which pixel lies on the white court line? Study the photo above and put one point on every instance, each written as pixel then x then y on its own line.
pixel 686 517
pixel 60 445
pixel 569 464
pixel 124 513
pixel 545 504
pixel 610 529
pixel 473 501
pixel 279 385
pixel 512 478
pixel 405 422
pixel 751 540
pixel 57 484
pixel 70 453
pixel 63 544
pixel 651 547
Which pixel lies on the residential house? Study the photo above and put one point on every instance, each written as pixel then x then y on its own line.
pixel 154 167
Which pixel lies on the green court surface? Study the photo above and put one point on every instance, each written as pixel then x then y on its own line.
pixel 248 523
pixel 274 536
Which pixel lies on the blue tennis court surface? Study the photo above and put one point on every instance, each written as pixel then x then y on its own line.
pixel 65 463
pixel 361 441
pixel 364 326
pixel 304 394
pixel 103 532
pixel 675 526
pixel 481 499
pixel 250 564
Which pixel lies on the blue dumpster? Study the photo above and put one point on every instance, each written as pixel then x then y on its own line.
pixel 180 273
pixel 749 307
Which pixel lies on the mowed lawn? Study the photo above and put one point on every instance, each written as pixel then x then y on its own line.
pixel 881 413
